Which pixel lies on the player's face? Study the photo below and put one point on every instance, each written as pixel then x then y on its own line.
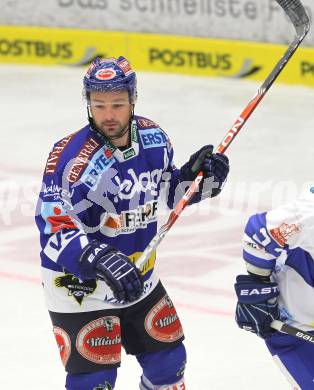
pixel 111 112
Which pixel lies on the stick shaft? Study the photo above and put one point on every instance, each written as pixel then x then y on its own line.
pixel 292 331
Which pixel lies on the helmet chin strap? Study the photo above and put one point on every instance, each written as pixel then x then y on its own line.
pixel 97 130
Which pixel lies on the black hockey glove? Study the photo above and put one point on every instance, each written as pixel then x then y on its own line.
pixel 215 168
pixel 115 268
pixel 257 304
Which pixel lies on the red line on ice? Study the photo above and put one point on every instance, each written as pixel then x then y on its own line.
pixel 23 278
pixel 204 310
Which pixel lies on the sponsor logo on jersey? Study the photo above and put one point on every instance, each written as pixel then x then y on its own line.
pixel 284 232
pixel 55 217
pixel 129 153
pixel 99 163
pixel 64 344
pixel 55 154
pixel 134 137
pixel 162 322
pixel 131 220
pixel 127 188
pixel 148 266
pixel 76 288
pixel 153 138
pixel 56 192
pixel 82 159
pixel 100 341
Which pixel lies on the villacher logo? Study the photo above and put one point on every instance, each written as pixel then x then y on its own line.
pixel 100 341
pixel 64 343
pixel 162 322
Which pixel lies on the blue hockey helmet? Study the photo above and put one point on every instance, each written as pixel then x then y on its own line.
pixel 109 75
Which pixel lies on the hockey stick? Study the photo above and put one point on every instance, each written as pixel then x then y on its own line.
pixel 285 328
pixel 296 12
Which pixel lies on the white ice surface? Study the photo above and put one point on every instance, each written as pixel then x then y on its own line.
pixel 271 160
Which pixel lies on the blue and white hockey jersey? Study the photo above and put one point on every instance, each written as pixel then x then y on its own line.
pixel 280 243
pixel 95 191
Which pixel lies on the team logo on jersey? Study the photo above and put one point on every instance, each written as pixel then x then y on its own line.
pixel 100 341
pixel 76 288
pixel 64 344
pixel 162 322
pixel 144 182
pixel 284 232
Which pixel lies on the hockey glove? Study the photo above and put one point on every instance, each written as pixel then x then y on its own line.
pixel 257 304
pixel 215 168
pixel 115 268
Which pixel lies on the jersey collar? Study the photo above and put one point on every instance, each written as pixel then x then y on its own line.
pixel 126 154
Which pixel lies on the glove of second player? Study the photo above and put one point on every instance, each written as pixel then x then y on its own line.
pixel 115 268
pixel 257 304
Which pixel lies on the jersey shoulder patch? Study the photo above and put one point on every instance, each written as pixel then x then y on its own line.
pixel 55 154
pixel 151 134
pixel 145 123
pixel 68 148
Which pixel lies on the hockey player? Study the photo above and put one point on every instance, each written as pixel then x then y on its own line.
pixel 96 213
pixel 279 257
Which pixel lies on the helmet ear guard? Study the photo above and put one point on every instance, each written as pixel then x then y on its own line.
pixel 110 75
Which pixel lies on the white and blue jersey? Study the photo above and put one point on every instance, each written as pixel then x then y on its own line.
pixel 280 243
pixel 95 191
